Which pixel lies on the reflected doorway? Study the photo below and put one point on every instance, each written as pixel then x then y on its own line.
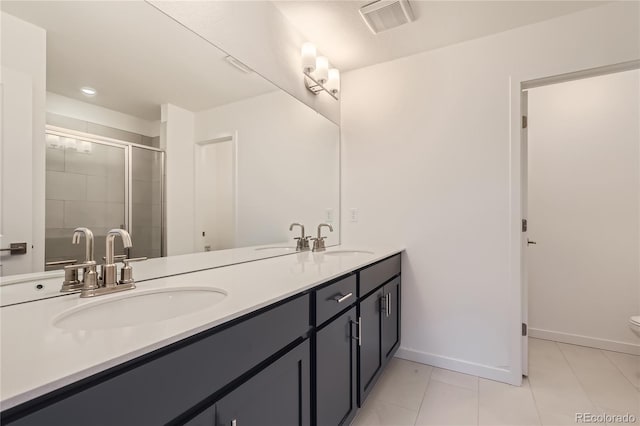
pixel 216 194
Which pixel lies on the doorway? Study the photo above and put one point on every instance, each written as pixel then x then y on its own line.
pixel 581 204
pixel 216 194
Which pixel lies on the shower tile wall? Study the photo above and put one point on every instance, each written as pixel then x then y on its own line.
pixel 84 187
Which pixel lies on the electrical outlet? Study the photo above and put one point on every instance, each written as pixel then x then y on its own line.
pixel 328 216
pixel 353 215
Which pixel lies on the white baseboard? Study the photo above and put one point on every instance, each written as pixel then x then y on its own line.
pixel 467 367
pixel 593 342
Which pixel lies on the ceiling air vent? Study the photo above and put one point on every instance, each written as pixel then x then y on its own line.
pixel 383 15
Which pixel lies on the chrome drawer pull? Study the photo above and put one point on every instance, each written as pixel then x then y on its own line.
pixel 341 298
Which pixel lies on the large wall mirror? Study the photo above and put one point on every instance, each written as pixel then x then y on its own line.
pixel 116 116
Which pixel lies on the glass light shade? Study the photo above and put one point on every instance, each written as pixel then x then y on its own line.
pixel 333 82
pixel 322 69
pixel 308 57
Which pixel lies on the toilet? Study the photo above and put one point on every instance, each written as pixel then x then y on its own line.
pixel 634 323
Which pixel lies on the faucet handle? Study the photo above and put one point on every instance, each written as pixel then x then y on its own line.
pixel 116 257
pixel 126 273
pixel 80 265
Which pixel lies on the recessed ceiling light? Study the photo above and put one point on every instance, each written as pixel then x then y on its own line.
pixel 88 91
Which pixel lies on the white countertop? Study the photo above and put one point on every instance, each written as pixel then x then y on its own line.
pixel 37 357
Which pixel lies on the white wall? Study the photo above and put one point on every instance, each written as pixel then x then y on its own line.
pixel 288 165
pixel 85 111
pixel 431 160
pixel 23 54
pixel 176 139
pixel 257 34
pixel 584 210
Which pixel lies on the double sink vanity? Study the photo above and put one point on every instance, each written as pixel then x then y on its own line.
pixel 296 339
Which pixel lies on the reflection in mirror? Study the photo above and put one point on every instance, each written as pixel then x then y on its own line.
pixel 116 116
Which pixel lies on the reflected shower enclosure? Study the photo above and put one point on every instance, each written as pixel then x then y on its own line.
pixel 102 184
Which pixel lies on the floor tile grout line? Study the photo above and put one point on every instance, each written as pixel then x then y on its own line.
pixel 424 394
pixel 604 352
pixel 535 402
pixel 584 389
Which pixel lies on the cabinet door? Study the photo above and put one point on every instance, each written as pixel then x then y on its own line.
pixel 336 352
pixel 390 317
pixel 369 354
pixel 206 418
pixel 279 395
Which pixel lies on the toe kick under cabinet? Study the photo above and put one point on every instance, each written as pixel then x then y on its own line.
pixel 308 360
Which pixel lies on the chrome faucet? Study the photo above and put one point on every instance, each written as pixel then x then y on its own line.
pixel 303 242
pixel 318 242
pixel 94 285
pixel 90 276
pixel 88 236
pixel 109 269
pixel 71 281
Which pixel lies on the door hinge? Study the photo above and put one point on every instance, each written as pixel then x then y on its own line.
pixel 524 121
pixel 524 225
pixel 524 329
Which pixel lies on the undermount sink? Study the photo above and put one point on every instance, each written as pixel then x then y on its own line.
pixel 286 249
pixel 139 308
pixel 347 252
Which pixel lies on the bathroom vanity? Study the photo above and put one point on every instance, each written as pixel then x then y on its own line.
pixel 296 340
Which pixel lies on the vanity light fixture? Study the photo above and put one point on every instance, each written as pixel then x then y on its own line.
pixel 318 76
pixel 88 91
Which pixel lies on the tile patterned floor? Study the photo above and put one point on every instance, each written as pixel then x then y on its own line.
pixel 563 380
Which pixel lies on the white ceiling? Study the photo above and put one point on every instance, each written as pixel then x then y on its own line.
pixel 135 56
pixel 339 32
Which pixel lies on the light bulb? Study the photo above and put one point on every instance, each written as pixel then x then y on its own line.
pixel 322 69
pixel 308 58
pixel 333 82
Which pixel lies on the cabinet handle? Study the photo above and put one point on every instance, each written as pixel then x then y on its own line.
pixel 384 304
pixel 359 336
pixel 341 298
pixel 388 304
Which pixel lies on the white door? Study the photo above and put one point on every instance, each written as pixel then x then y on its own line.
pixel 16 200
pixel 215 194
pixel 524 240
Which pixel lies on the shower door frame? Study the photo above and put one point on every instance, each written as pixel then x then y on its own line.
pixel 128 178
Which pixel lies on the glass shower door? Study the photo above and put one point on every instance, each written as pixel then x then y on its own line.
pixel 147 192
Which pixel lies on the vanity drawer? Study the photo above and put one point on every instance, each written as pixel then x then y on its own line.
pixel 378 274
pixel 334 298
pixel 160 389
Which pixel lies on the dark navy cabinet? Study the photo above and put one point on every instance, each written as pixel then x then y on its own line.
pixel 309 360
pixel 379 311
pixel 336 370
pixel 278 395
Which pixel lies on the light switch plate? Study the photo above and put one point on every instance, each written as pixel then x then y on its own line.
pixel 353 215
pixel 328 217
